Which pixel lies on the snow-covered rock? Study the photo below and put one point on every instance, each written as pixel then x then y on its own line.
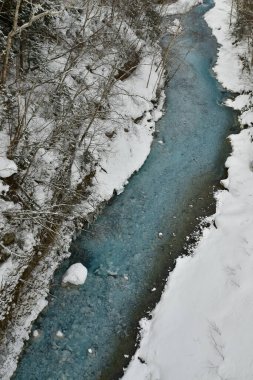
pixel 36 333
pixel 59 334
pixel 7 167
pixel 75 275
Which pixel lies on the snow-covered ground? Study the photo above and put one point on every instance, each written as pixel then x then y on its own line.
pixel 7 167
pixel 130 147
pixel 202 327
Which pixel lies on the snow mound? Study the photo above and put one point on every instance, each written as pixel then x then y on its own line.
pixel 179 7
pixel 75 275
pixel 59 334
pixel 7 167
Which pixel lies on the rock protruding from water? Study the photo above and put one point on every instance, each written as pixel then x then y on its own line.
pixel 75 275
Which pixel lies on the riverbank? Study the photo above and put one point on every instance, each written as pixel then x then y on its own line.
pixel 201 328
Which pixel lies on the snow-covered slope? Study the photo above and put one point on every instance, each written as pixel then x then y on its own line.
pixel 201 328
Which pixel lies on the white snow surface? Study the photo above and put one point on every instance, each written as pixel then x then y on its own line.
pixel 202 327
pixel 7 167
pixel 59 334
pixel 179 7
pixel 75 275
pixel 128 150
pixel 229 68
pixel 36 333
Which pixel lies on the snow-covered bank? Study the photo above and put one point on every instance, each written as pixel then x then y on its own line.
pixel 131 144
pixel 201 328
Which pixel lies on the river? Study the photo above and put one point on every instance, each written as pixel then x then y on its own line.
pixel 125 256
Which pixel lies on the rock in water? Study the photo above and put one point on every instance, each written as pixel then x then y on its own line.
pixel 36 333
pixel 59 334
pixel 75 275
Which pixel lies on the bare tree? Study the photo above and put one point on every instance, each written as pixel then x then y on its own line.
pixel 17 29
pixel 243 27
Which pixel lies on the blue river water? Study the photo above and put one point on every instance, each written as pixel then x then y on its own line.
pixel 124 255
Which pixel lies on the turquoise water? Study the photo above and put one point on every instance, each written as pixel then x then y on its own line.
pixel 174 186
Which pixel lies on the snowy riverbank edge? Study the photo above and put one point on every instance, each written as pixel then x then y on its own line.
pixel 125 154
pixel 201 328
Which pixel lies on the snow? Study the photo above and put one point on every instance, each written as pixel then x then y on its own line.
pixel 3 187
pixel 5 270
pixel 229 68
pixel 175 28
pixel 243 102
pixel 7 167
pixel 75 275
pixel 29 241
pixel 36 333
pixel 202 326
pixel 128 150
pixel 180 6
pixel 59 334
